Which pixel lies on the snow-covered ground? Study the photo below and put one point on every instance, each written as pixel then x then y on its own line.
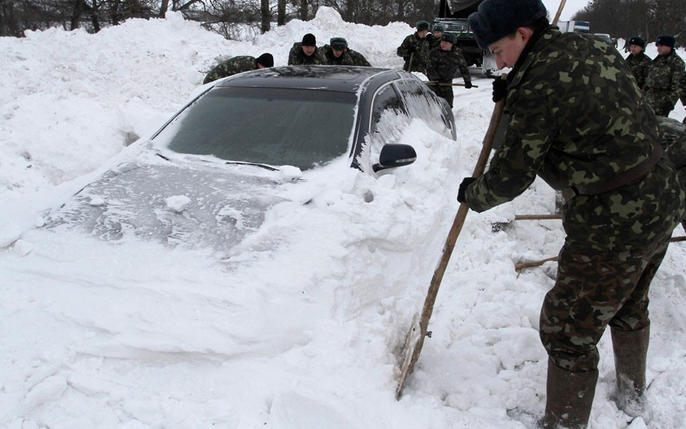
pixel 134 334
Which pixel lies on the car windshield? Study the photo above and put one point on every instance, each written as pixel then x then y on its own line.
pixel 276 126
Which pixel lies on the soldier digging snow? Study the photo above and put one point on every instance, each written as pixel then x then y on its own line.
pixel 444 61
pixel 239 65
pixel 638 60
pixel 338 53
pixel 415 49
pixel 592 135
pixel 306 52
pixel 662 86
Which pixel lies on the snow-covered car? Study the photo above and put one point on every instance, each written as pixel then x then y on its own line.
pixel 210 174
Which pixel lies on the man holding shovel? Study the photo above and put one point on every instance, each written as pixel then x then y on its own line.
pixel 574 116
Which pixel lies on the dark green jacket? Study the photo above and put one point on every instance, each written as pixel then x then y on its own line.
pixel 443 65
pixel 576 118
pixel 662 87
pixel 639 65
pixel 415 52
pixel 347 58
pixel 230 67
pixel 296 56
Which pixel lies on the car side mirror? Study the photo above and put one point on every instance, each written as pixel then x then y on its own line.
pixel 395 155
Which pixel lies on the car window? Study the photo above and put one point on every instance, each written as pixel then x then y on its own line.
pixel 385 99
pixel 421 103
pixel 276 126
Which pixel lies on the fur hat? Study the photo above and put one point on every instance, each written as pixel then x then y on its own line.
pixel 496 19
pixel 309 40
pixel 266 60
pixel 338 43
pixel 637 41
pixel 666 40
pixel 438 27
pixel 422 25
pixel 448 37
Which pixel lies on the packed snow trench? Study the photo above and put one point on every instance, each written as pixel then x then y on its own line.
pixel 302 327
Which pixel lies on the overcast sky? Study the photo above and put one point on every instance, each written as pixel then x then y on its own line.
pixel 571 7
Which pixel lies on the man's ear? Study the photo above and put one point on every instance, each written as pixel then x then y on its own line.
pixel 525 33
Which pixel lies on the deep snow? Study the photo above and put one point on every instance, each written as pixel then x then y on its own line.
pixel 136 334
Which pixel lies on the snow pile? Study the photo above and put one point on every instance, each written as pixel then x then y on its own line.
pixel 299 328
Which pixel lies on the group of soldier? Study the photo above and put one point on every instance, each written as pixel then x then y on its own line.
pixel 304 52
pixel 662 79
pixel 437 56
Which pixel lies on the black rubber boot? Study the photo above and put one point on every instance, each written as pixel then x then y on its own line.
pixel 569 398
pixel 631 348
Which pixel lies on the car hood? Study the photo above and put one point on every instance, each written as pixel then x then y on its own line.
pixel 196 205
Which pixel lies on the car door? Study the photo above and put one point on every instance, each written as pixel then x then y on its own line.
pixel 388 117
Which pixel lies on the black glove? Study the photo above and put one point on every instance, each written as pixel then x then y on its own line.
pixel 467 84
pixel 463 188
pixel 499 89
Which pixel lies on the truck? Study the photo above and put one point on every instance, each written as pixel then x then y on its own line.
pixel 452 15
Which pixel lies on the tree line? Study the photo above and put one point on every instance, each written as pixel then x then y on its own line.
pixel 645 18
pixel 223 16
pixel 620 18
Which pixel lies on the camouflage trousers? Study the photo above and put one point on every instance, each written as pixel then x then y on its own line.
pixel 593 289
pixel 444 91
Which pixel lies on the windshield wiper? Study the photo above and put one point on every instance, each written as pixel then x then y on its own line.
pixel 255 164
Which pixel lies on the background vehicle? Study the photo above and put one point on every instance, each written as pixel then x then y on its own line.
pixel 452 15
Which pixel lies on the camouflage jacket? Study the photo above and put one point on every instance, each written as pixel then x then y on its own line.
pixel 575 117
pixel 673 139
pixel 296 56
pixel 230 67
pixel 433 41
pixel 639 65
pixel 348 58
pixel 443 65
pixel 662 86
pixel 415 52
pixel 683 91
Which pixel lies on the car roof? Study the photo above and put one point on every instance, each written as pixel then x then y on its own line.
pixel 331 78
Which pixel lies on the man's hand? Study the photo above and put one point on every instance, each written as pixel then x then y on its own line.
pixel 499 89
pixel 463 188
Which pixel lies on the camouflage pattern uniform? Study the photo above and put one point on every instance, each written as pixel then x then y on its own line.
pixel 673 138
pixel 639 67
pixel 415 52
pixel 575 117
pixel 296 56
pixel 230 67
pixel 683 92
pixel 662 86
pixel 347 58
pixel 441 70
pixel 433 41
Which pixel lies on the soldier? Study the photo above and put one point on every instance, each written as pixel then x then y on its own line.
pixel 338 53
pixel 662 85
pixel 623 202
pixel 683 93
pixel 239 65
pixel 638 60
pixel 435 38
pixel 673 138
pixel 306 52
pixel 444 61
pixel 415 49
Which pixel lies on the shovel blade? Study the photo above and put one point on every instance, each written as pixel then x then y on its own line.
pixel 411 349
